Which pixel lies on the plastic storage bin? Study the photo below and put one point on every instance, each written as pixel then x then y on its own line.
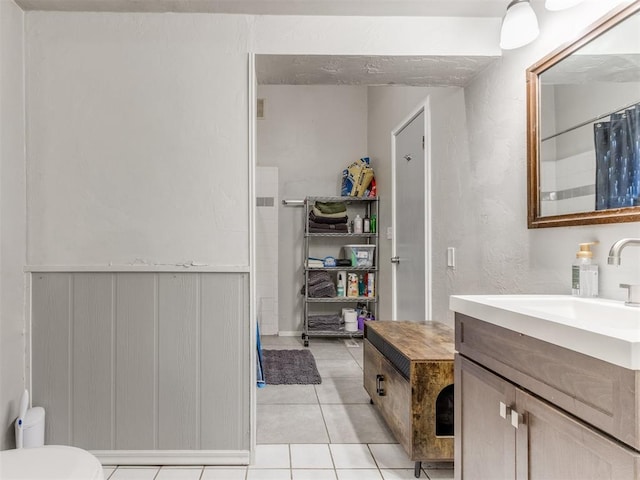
pixel 360 255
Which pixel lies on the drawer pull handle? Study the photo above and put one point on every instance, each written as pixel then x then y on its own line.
pixel 505 410
pixel 517 419
pixel 379 390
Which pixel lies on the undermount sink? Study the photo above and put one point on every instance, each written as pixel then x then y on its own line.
pixel 604 329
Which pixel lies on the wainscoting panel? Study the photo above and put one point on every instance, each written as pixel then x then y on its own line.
pixel 179 361
pixel 136 361
pixel 92 360
pixel 51 352
pixel 142 361
pixel 222 384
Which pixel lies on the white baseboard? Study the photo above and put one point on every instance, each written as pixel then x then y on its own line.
pixel 289 334
pixel 172 457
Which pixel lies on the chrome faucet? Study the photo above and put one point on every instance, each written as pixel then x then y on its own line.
pixel 633 298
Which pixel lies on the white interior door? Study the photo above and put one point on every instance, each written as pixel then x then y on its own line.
pixel 411 289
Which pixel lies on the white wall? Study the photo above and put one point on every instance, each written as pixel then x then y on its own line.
pixel 267 207
pixel 311 133
pixel 388 106
pixel 137 139
pixel 12 218
pixel 481 207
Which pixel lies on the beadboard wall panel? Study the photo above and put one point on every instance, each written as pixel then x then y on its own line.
pixel 178 377
pixel 223 384
pixel 92 360
pixel 136 360
pixel 142 361
pixel 51 353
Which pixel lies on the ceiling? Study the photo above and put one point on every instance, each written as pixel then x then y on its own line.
pixel 324 69
pixel 430 71
pixel 438 8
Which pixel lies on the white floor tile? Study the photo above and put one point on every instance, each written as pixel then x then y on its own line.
pixel 134 473
pixel 313 474
pixel 440 474
pixel 272 456
pixel 107 472
pixel 224 473
pixel 269 474
pixel 399 474
pixel 390 455
pixel 310 456
pixel 179 473
pixel 351 456
pixel 359 474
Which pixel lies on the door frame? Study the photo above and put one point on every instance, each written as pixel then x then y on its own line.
pixel 425 107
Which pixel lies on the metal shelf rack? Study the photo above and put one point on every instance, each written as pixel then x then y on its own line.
pixel 355 205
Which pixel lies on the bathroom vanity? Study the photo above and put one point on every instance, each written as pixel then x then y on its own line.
pixel 530 405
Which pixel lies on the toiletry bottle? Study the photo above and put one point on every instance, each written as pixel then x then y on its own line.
pixel 372 224
pixel 357 224
pixel 584 273
pixel 366 224
pixel 362 289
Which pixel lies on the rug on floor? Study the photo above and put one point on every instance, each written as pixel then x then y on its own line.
pixel 290 367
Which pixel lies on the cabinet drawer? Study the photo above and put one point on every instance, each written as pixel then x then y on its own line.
pixel 394 402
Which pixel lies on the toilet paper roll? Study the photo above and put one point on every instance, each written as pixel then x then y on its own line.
pixel 350 320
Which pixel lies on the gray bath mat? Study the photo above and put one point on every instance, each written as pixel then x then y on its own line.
pixel 290 367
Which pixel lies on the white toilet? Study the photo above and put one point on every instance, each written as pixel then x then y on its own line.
pixel 50 462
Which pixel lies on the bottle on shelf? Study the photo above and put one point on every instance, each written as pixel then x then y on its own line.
pixel 357 224
pixel 372 224
pixel 366 224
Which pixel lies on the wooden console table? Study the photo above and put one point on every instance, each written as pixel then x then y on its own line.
pixel 408 373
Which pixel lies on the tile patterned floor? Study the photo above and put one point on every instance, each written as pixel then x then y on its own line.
pixel 343 437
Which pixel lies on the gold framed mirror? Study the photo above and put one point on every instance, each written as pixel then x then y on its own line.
pixel 583 127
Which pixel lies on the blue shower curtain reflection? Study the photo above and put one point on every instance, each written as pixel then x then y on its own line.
pixel 617 146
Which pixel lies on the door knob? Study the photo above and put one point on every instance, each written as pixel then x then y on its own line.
pixel 395 259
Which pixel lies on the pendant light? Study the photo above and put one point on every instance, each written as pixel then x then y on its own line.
pixel 519 25
pixel 555 5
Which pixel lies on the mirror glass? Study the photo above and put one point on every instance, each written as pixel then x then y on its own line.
pixel 585 162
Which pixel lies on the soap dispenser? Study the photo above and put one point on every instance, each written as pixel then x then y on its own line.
pixel 584 273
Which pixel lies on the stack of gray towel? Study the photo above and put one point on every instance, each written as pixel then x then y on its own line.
pixel 321 285
pixel 330 323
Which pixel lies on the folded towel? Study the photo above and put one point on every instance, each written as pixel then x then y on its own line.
pixel 318 277
pixel 327 215
pixel 314 227
pixel 324 322
pixel 331 207
pixel 324 289
pixel 330 220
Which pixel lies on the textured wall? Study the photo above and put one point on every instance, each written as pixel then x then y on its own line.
pixel 481 206
pixel 311 133
pixel 12 221
pixel 137 139
pixel 388 107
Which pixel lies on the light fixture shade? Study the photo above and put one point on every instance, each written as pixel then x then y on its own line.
pixel 555 5
pixel 519 25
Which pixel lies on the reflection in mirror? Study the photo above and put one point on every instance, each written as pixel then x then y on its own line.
pixel 589 129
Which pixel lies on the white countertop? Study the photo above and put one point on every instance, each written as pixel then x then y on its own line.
pixel 604 329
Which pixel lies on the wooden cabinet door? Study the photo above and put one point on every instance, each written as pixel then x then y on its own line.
pixel 554 446
pixel 485 441
pixel 391 393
